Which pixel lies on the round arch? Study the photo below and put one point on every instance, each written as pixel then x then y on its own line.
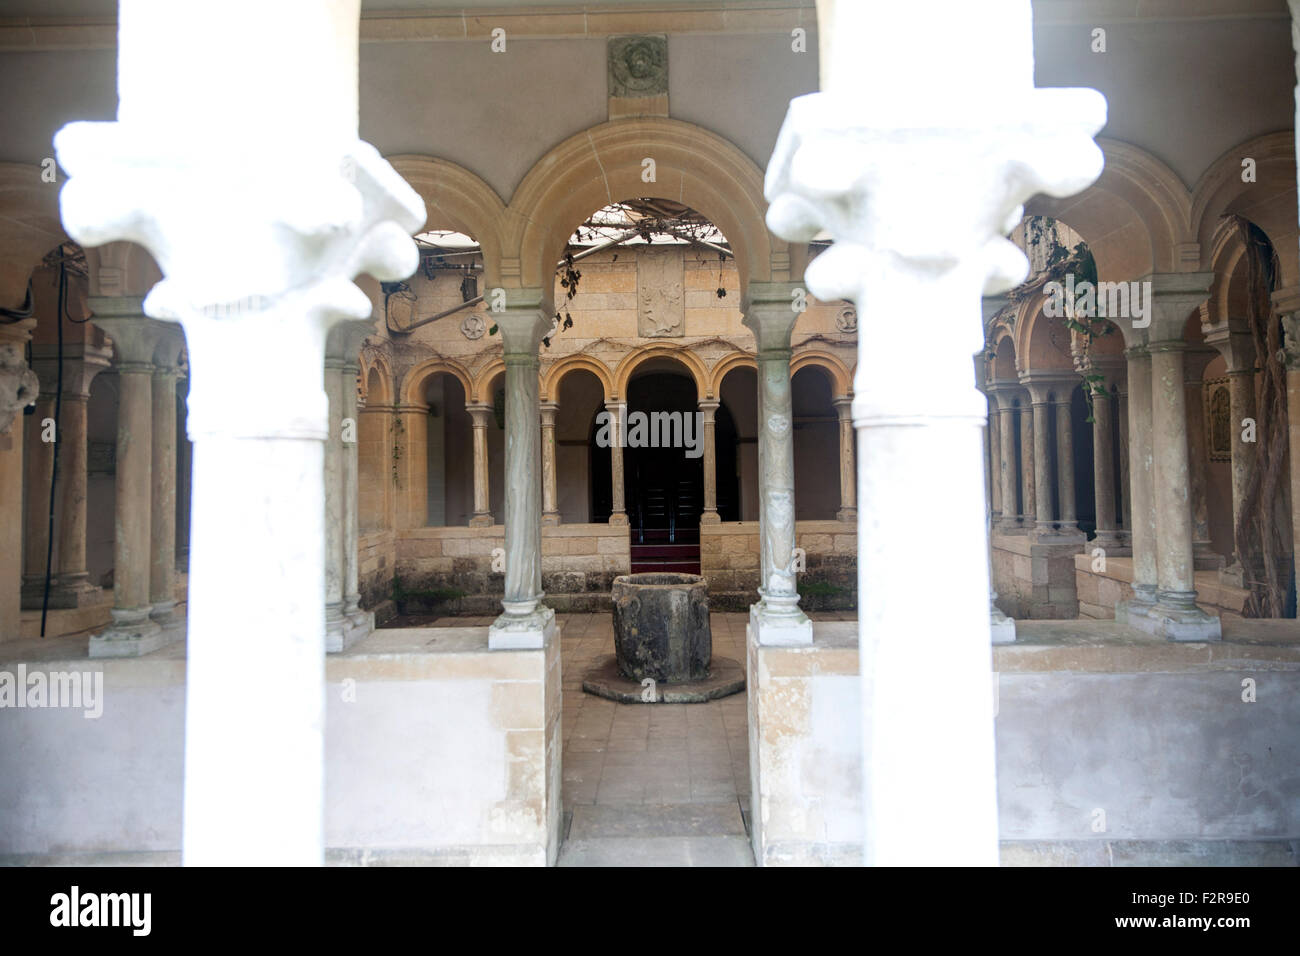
pixel 1136 218
pixel 692 362
pixel 32 228
pixel 377 363
pixel 483 380
pixel 726 364
pixel 417 376
pixel 604 164
pixel 552 377
pixel 1269 202
pixel 1004 367
pixel 457 199
pixel 841 378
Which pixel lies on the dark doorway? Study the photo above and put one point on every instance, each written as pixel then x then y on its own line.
pixel 664 488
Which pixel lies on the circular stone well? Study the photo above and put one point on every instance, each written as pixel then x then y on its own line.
pixel 662 637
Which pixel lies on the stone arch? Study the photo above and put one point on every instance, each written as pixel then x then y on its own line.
pixel 725 365
pixel 692 362
pixel 603 165
pixel 457 199
pixel 416 377
pixel 841 379
pixel 483 380
pixel 1269 202
pixel 377 364
pixel 552 376
pixel 1005 364
pixel 29 211
pixel 1136 218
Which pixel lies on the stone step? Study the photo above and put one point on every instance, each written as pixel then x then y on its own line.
pixel 658 851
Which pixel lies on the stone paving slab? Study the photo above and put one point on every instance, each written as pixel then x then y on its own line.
pixel 661 851
pixel 596 822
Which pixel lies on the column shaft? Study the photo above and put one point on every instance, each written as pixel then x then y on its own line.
pixel 162 522
pixel 1028 491
pixel 550 501
pixel 1065 464
pixel 39 468
pixel 1170 481
pixel 708 440
pixel 1007 464
pixel 1103 469
pixel 333 485
pixel 73 578
pixel 1142 520
pixel 848 465
pixel 482 507
pixel 1241 386
pixel 617 412
pixel 351 502
pixel 1042 468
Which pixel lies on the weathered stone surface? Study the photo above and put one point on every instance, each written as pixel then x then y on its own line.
pixel 661 626
pixel 725 677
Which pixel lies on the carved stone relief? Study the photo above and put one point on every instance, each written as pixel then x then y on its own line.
pixel 660 293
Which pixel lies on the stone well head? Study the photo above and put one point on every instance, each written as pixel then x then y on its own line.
pixel 661 626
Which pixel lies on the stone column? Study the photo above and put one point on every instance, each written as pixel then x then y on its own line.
pixel 848 465
pixel 1142 524
pixel 617 412
pixel 1175 615
pixel 480 415
pixel 1198 456
pixel 776 618
pixel 994 477
pixel 71 586
pixel 708 409
pixel 345 622
pixel 257 269
pixel 1125 522
pixel 1007 461
pixel 363 622
pixel 1238 351
pixel 525 622
pixel 1028 489
pixel 868 177
pixel 19 387
pixel 1042 473
pixel 550 502
pixel 162 517
pixel 1069 517
pixel 1287 303
pixel 39 468
pixel 136 338
pixel 1103 470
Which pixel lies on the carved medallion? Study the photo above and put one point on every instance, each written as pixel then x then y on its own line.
pixel 638 65
pixel 660 292
pixel 847 320
pixel 473 327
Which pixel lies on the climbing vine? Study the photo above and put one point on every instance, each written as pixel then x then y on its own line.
pixel 397 429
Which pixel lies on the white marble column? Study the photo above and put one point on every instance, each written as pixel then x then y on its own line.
pixel 1175 615
pixel 525 622
pixel 550 497
pixel 480 415
pixel 135 338
pixel 708 410
pixel 617 412
pixel 893 144
pixel 776 618
pixel 183 172
pixel 848 464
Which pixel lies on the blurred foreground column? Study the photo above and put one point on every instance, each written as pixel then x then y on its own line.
pixel 896 142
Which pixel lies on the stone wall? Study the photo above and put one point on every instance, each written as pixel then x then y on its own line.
pixel 1099 592
pixel 437 751
pixel 1035 577
pixel 376 559
pixel 729 559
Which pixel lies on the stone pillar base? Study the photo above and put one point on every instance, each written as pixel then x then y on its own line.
pixel 165 615
pixel 1002 628
pixel 775 626
pixel 707 517
pixel 132 634
pixel 550 518
pixel 1175 617
pixel 618 518
pixel 66 594
pixel 847 514
pixel 348 628
pixel 528 631
pixel 481 521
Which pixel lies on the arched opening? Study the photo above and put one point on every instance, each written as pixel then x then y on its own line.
pixel 582 467
pixel 374 478
pixel 663 469
pixel 816 446
pixel 738 396
pixel 449 447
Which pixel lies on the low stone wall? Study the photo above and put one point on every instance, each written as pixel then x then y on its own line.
pixel 451 570
pixel 1035 578
pixel 805 751
pixel 437 750
pixel 376 559
pixel 729 558
pixel 1100 591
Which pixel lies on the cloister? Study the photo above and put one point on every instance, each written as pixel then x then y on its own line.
pixel 311 371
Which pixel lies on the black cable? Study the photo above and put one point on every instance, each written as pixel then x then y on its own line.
pixel 58 440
